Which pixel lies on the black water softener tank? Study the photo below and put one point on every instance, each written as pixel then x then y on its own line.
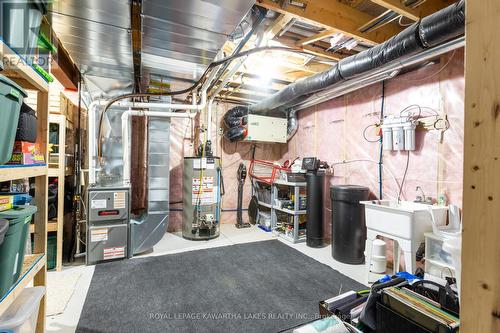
pixel 348 223
pixel 315 180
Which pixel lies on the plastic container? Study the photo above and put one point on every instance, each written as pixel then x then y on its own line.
pixel 453 246
pixel 51 250
pixel 13 248
pixel 348 223
pixel 378 262
pixel 22 315
pixel 21 20
pixel 26 126
pixel 265 219
pixel 4 226
pixel 11 98
pixel 434 249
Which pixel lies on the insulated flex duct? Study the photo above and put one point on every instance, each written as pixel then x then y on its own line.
pixel 442 26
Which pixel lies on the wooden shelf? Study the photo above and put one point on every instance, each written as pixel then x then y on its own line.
pixel 17 69
pixel 11 172
pixel 51 226
pixel 32 264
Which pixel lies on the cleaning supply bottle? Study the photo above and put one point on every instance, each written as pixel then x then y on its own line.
pixel 442 199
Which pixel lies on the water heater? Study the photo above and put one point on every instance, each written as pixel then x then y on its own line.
pixel 201 198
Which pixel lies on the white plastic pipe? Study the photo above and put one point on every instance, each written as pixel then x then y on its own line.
pixel 126 134
pixel 171 106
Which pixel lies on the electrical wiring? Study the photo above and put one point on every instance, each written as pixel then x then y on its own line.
pixel 404 176
pixel 438 71
pixel 192 87
pixel 364 133
pixel 381 140
pixel 400 22
pixel 371 161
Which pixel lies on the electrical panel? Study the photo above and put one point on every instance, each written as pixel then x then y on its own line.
pixel 266 129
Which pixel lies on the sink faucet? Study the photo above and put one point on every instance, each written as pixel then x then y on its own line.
pixel 422 197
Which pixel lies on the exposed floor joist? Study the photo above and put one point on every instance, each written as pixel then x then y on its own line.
pixel 423 10
pixel 314 38
pixel 334 15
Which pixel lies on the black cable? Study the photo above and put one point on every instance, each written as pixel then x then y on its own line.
pixel 192 87
pixel 404 176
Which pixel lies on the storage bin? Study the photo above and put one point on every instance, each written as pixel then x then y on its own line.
pixel 265 219
pixel 22 315
pixel 21 20
pixel 51 250
pixel 263 193
pixel 4 226
pixel 439 269
pixel 26 126
pixel 13 248
pixel 434 249
pixel 11 98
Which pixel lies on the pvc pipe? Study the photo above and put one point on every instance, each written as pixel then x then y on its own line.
pixel 171 106
pixel 126 134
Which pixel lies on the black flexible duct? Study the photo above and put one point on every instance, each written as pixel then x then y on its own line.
pixel 433 30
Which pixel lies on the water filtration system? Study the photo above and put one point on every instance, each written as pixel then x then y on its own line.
pixel 202 190
pixel 398 133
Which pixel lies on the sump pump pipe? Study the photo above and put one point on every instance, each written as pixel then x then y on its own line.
pixel 126 133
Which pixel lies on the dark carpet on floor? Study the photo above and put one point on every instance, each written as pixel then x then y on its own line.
pixel 256 287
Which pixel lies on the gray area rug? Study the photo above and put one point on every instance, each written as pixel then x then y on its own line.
pixel 256 287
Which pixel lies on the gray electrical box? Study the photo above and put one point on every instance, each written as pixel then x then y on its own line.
pixel 108 235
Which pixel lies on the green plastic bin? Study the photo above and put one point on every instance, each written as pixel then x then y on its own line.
pixel 11 99
pixel 51 250
pixel 14 245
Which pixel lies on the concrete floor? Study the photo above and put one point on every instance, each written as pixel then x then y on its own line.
pixel 67 321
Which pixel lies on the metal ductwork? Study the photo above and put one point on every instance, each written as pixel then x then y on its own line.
pixel 432 31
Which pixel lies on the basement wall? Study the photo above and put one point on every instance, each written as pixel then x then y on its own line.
pixel 333 131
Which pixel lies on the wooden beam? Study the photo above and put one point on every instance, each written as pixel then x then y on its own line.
pixel 315 38
pixel 480 290
pixel 314 50
pixel 334 15
pixel 423 10
pixel 276 26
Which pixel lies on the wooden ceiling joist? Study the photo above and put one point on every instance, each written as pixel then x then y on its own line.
pixel 314 38
pixel 334 15
pixel 277 25
pixel 423 10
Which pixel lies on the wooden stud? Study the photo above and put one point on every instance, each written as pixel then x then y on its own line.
pixel 480 290
pixel 41 201
pixel 334 15
pixel 426 8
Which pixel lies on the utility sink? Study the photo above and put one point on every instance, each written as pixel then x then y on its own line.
pixel 405 219
pixel 405 222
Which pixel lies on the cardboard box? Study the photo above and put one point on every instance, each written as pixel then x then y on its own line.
pixel 6 202
pixel 26 159
pixel 26 147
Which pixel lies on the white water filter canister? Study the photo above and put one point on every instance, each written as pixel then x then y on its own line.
pixel 386 137
pixel 409 129
pixel 398 137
